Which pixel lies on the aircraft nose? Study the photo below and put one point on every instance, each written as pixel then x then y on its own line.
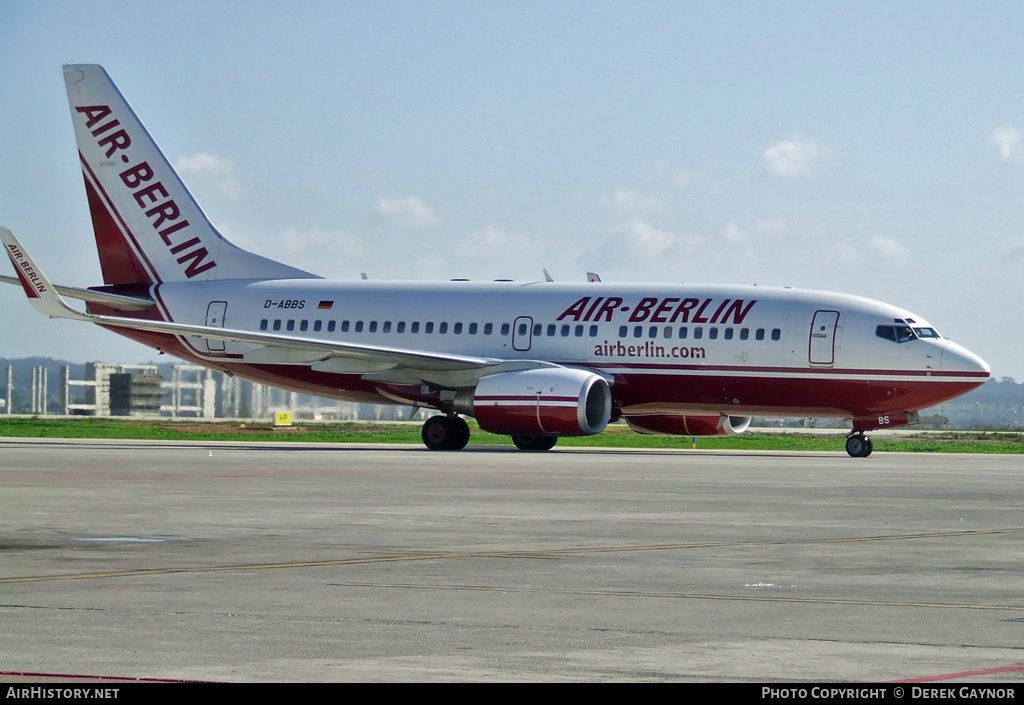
pixel 956 358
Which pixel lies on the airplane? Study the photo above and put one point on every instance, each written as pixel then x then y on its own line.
pixel 532 360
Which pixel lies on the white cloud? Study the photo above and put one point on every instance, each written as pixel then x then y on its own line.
pixel 627 202
pixel 408 212
pixel 484 244
pixel 644 239
pixel 1008 141
pixel 795 157
pixel 204 162
pixel 328 253
pixel 673 178
pixel 213 172
pixel 732 233
pixel 888 248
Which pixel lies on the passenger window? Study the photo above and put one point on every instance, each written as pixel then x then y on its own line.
pixel 760 334
pixel 414 327
pixel 776 334
pixel 565 329
pixel 387 327
pixel 593 331
pixel 373 326
pixel 277 324
pixel 401 327
pixel 682 332
pixel 330 326
pixel 264 324
pixel 318 325
pixel 537 329
pixel 457 329
pixel 359 326
pixel 428 327
pixel 623 331
pixel 579 331
pixel 728 333
pixel 652 332
pixel 744 333
pixel 713 333
pixel 290 325
pixel 523 328
pixel 698 333
pixel 304 325
pixel 668 331
pixel 551 329
pixel 472 328
pixel 488 328
pixel 442 328
pixel 505 328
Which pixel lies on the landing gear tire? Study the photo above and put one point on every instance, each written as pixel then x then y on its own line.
pixel 445 433
pixel 535 442
pixel 858 446
pixel 461 433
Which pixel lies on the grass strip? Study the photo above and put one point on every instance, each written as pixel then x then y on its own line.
pixel 614 437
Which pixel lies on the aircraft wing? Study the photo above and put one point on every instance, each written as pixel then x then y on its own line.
pixel 388 364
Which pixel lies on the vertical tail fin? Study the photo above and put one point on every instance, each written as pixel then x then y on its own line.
pixel 148 227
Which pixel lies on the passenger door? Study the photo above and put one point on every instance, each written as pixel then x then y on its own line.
pixel 821 347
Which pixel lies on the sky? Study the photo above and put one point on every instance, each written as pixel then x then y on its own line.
pixel 871 148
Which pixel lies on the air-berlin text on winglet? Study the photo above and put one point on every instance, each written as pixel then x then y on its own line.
pixel 165 216
pixel 29 279
pixel 669 309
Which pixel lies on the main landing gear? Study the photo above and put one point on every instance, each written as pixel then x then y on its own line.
pixel 445 433
pixel 858 445
pixel 452 433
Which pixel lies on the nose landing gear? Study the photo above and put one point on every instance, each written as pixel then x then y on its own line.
pixel 858 445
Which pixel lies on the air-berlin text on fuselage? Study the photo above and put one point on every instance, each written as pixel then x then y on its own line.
pixel 651 309
pixel 152 198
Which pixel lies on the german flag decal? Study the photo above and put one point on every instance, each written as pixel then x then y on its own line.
pixel 325 305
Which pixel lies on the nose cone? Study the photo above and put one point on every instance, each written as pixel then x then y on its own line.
pixel 958 359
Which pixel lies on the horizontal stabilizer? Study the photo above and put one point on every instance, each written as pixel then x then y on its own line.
pixel 115 301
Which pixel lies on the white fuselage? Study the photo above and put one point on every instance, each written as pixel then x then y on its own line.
pixel 665 348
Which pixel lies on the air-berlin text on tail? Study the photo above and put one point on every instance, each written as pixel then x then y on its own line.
pixel 671 309
pixel 152 198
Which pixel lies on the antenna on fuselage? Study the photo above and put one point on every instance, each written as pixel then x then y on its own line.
pixel 547 277
pixel 362 275
pixel 593 277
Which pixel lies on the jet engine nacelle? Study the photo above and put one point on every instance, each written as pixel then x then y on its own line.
pixel 547 402
pixel 689 425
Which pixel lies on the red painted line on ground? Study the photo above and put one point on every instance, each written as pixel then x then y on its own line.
pixel 83 676
pixel 965 674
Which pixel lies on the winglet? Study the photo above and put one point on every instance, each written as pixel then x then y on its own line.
pixel 40 292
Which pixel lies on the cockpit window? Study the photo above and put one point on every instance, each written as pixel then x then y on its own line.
pixel 898 333
pixel 927 333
